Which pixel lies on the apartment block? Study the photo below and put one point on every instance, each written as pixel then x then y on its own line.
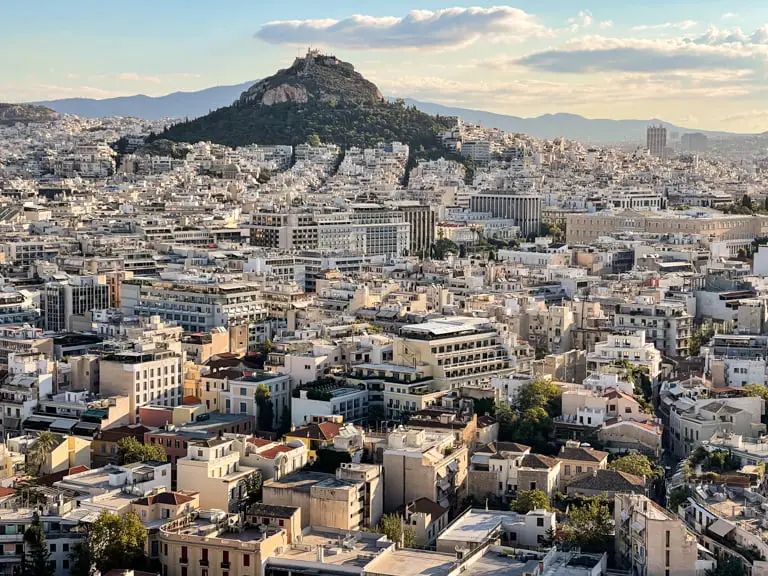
pixel 418 464
pixel 146 377
pixel 651 540
pixel 324 499
pixel 212 468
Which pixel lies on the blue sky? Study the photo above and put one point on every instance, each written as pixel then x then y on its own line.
pixel 698 63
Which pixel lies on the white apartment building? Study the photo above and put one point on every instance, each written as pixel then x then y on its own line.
pixel 630 346
pixel 667 324
pixel 197 304
pixel 17 308
pixel 332 400
pixel 457 351
pixel 239 396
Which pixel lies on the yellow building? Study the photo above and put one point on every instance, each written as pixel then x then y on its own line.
pixel 11 463
pixel 158 509
pixel 213 543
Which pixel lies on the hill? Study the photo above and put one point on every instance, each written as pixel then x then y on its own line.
pixel 319 95
pixel 570 126
pixel 175 105
pixel 26 113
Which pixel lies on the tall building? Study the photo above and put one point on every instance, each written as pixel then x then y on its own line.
pixel 422 221
pixel 656 140
pixel 652 541
pixel 151 377
pixel 523 209
pixel 62 301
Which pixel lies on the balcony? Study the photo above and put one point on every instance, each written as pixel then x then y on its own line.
pixel 204 562
pixel 225 565
pixel 184 561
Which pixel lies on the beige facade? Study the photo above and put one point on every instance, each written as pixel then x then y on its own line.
pixel 372 477
pixel 212 468
pixel 153 377
pixel 324 499
pixel 418 464
pixel 644 437
pixel 585 228
pixel 215 544
pixel 459 351
pixel 652 540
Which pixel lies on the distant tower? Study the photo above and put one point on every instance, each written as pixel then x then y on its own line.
pixel 656 141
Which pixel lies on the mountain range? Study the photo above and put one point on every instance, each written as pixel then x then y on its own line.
pixel 201 102
pixel 175 105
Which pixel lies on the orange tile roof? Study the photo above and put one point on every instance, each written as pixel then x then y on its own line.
pixel 274 451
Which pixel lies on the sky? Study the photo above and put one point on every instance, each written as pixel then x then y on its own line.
pixel 696 63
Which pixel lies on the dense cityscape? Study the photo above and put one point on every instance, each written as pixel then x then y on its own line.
pixel 321 332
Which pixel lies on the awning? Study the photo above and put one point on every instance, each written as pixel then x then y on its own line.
pixel 721 528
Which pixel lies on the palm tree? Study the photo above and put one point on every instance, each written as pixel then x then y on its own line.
pixel 38 452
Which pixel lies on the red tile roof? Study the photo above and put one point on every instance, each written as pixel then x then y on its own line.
pixel 259 442
pixel 274 451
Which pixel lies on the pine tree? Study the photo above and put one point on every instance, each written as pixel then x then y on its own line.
pixel 38 561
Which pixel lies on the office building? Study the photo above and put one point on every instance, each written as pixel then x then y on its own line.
pixel 524 210
pixel 656 141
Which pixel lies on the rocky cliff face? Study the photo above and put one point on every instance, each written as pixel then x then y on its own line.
pixel 26 113
pixel 314 77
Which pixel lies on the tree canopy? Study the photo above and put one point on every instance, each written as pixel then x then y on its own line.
pixel 36 559
pixel 528 500
pixel 392 526
pixel 266 412
pixel 590 527
pixel 637 464
pixel 541 393
pixel 130 450
pixel 38 453
pixel 115 541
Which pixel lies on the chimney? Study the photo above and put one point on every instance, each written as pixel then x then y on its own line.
pixel 320 554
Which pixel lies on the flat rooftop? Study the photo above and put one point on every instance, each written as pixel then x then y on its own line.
pixel 476 525
pixel 303 480
pixel 407 562
pixel 357 550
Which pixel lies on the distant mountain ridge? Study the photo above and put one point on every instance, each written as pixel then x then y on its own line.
pixel 175 105
pixel 200 103
pixel 570 126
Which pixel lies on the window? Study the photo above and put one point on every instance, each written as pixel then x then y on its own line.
pixel 65 547
pixel 53 548
pixel 666 558
pixel 668 538
pixel 246 559
pixel 539 521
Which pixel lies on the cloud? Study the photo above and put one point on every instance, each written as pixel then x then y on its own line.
pixel 136 77
pixel 593 54
pixel 605 24
pixel 729 16
pixel 720 36
pixel 583 20
pixel 447 28
pixel 684 25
